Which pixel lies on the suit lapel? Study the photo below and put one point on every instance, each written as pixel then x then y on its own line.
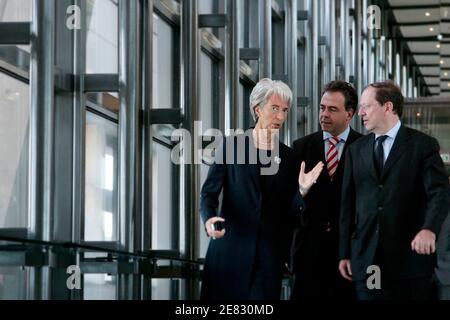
pixel 254 168
pixel 399 146
pixel 273 178
pixel 367 153
pixel 318 145
pixel 350 139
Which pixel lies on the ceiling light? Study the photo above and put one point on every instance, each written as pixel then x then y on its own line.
pixel 448 84
pixel 442 61
pixel 427 14
pixel 418 114
pixel 445 74
pixel 439 37
pixel 431 29
pixel 438 46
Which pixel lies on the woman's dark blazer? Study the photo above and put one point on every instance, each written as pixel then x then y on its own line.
pixel 229 260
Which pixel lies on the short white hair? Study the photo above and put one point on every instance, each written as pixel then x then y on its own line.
pixel 264 89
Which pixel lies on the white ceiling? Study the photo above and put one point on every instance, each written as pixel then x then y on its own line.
pixel 422 19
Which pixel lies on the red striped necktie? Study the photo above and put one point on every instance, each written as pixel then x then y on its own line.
pixel 332 156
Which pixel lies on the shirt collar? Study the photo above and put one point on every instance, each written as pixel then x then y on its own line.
pixel 343 136
pixel 391 133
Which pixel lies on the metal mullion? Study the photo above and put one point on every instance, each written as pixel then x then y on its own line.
pixel 147 138
pixel 128 199
pixel 190 172
pixel 291 65
pixel 41 191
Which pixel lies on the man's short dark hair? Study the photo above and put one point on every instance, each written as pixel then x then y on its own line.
pixel 347 90
pixel 388 91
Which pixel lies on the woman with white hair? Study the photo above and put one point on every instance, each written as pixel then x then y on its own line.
pixel 261 203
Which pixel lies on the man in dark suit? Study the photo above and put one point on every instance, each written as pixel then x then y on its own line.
pixel 315 247
pixel 395 198
pixel 443 254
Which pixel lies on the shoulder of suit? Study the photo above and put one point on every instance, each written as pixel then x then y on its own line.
pixel 356 133
pixel 361 141
pixel 306 139
pixel 286 149
pixel 422 139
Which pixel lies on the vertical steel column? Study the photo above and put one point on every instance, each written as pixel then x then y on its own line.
pixel 357 55
pixel 291 64
pixel 190 171
pixel 129 88
pixel 79 129
pixel 41 187
pixel 265 38
pixel 314 73
pixel 147 143
pixel 332 31
pixel 364 75
pixel 347 59
pixel 79 138
pixel 325 48
pixel 234 59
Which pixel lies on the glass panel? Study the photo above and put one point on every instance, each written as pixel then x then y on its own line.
pixel 205 6
pixel 161 289
pixel 163 69
pixel 434 121
pixel 99 287
pixel 102 36
pixel 162 199
pixel 15 10
pixel 14 130
pixel 109 100
pixel 13 283
pixel 101 179
pixel 206 91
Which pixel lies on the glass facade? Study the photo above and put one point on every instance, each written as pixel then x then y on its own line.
pixel 91 165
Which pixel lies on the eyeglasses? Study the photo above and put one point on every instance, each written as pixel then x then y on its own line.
pixel 277 109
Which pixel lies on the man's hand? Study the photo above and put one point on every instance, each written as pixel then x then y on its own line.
pixel 345 269
pixel 210 229
pixel 424 242
pixel 306 180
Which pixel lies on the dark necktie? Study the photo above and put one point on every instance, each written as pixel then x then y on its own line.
pixel 379 154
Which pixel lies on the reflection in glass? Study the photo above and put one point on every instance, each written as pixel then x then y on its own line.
pixel 14 141
pixel 206 91
pixel 163 71
pixel 101 179
pixel 99 287
pixel 13 283
pixel 162 203
pixel 161 289
pixel 102 36
pixel 15 10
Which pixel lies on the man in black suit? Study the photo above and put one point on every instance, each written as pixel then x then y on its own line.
pixel 443 255
pixel 395 198
pixel 315 246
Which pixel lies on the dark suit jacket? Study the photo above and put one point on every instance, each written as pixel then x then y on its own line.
pixel 443 253
pixel 229 260
pixel 322 204
pixel 412 194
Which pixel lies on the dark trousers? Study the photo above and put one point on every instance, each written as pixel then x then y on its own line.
pixel 266 277
pixel 324 281
pixel 393 288
pixel 396 289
